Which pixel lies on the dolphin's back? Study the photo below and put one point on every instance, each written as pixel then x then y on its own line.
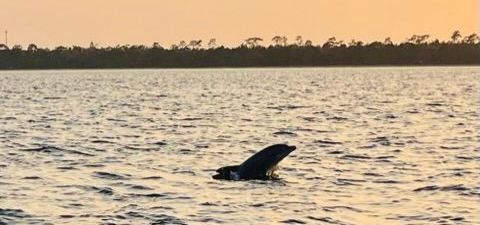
pixel 257 166
pixel 253 167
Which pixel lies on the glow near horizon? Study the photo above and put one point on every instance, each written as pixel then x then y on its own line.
pixel 50 23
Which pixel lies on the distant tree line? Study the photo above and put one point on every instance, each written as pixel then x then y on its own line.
pixel 416 50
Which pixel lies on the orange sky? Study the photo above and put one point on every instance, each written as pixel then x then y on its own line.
pixel 110 22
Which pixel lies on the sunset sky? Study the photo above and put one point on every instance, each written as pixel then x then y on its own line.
pixel 51 23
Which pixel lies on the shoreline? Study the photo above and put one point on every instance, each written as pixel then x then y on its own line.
pixel 246 67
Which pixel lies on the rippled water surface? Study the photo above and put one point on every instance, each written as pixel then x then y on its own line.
pixel 374 146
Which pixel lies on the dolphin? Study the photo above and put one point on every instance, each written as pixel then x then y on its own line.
pixel 260 166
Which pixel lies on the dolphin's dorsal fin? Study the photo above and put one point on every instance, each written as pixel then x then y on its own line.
pixel 259 165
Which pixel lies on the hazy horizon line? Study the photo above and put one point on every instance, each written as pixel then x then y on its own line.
pixel 265 42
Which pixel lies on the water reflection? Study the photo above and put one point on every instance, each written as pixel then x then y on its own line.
pixel 374 145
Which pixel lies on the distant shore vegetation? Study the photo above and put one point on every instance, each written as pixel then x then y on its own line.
pixel 278 51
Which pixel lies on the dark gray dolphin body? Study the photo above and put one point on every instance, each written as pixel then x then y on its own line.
pixel 258 167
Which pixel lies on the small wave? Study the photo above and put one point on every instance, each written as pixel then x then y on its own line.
pixel 185 151
pixel 351 180
pixel 327 142
pixel 309 119
pixel 152 178
pixel 146 149
pixel 140 187
pixel 312 130
pixel 189 172
pixel 337 118
pixel 345 183
pixel 387 182
pixel 192 118
pixel 166 219
pixel 209 220
pixel 335 152
pixel 461 157
pixel 435 104
pixel 90 188
pixel 161 143
pixel 456 187
pixel 66 168
pixel 100 190
pixel 326 220
pixel 116 120
pixel 102 142
pixel 75 205
pixel 52 149
pixel 13 213
pixel 153 218
pixel 372 174
pixel 110 176
pixel 94 165
pixel 438 219
pixel 53 98
pixel 385 157
pixel 315 178
pixel 382 140
pixel 287 107
pixel 341 208
pixel 451 147
pixel 161 208
pixel 355 157
pixel 32 178
pixel 66 216
pixel 390 116
pixel 208 204
pixel 201 146
pixel 151 195
pixel 293 221
pixel 413 111
pixel 288 133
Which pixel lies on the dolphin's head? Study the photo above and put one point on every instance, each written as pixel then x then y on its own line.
pixel 276 153
pixel 226 173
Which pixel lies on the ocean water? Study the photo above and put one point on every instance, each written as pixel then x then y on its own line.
pixel 374 146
